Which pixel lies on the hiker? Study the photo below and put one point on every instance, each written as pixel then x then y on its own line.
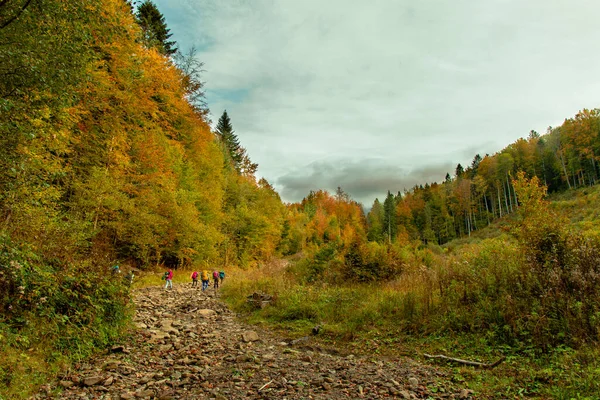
pixel 216 279
pixel 129 278
pixel 194 279
pixel 205 280
pixel 169 278
pixel 221 276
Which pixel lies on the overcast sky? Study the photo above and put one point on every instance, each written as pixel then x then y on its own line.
pixel 385 94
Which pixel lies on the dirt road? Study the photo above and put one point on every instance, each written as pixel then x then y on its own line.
pixel 188 345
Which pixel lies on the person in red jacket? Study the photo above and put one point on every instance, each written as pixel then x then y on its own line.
pixel 216 279
pixel 194 279
pixel 169 279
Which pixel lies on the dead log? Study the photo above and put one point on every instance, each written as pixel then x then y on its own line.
pixel 467 362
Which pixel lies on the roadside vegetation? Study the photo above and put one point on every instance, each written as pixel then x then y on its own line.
pixel 525 289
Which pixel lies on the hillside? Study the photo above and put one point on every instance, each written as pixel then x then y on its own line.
pixel 107 158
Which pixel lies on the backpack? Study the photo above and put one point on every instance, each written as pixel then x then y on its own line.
pixel 164 277
pixel 194 275
pixel 222 274
pixel 215 275
pixel 204 275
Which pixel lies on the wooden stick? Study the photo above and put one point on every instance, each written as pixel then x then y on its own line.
pixel 265 385
pixel 467 362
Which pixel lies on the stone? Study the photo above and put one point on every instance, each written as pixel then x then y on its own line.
pixel 404 395
pixel 111 365
pixel 306 358
pixel 144 394
pixel 250 336
pixel 66 384
pixel 92 380
pixel 205 313
pixel 413 382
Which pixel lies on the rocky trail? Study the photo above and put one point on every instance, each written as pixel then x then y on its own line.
pixel 189 345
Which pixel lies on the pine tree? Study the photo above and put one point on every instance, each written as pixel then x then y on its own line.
pixel 229 140
pixel 475 165
pixel 389 217
pixel 234 151
pixel 459 171
pixel 154 28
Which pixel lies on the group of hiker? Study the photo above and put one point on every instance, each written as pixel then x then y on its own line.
pixel 218 277
pixel 116 270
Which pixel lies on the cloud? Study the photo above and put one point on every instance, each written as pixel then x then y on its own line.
pixel 381 90
pixel 363 179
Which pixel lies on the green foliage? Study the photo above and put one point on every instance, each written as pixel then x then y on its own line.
pixel 102 157
pixel 233 151
pixel 154 28
pixel 66 310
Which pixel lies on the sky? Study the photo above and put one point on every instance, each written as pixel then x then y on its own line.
pixel 382 95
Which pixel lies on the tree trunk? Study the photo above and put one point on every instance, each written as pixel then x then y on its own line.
pixel 544 171
pixel 499 203
pixel 509 195
pixel 562 161
pixel 516 199
pixel 487 210
pixel 505 198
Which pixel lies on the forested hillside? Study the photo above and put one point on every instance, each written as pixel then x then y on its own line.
pixel 105 158
pixel 564 158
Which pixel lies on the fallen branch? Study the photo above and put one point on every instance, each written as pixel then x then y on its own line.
pixel 467 362
pixel 265 385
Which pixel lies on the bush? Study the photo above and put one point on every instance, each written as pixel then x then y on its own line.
pixel 63 311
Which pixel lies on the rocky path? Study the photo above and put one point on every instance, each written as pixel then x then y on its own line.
pixel 188 345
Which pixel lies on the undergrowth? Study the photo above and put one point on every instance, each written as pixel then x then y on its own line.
pixel 53 314
pixel 527 292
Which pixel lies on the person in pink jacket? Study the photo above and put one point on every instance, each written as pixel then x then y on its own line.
pixel 169 284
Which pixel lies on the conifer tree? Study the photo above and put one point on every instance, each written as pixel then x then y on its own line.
pixel 389 217
pixel 229 139
pixel 236 153
pixel 154 28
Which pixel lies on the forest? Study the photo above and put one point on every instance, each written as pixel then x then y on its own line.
pixel 107 156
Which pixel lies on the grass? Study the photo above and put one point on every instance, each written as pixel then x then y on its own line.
pixel 387 320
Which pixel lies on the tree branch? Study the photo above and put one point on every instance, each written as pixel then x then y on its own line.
pixel 467 362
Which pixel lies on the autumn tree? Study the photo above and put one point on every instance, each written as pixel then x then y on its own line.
pixel 375 222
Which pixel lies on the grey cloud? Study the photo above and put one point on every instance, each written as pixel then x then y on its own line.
pixel 363 179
